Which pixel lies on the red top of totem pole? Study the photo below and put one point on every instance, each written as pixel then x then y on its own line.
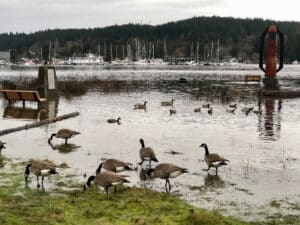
pixel 272 28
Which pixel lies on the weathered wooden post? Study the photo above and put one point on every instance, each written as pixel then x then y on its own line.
pixel 47 82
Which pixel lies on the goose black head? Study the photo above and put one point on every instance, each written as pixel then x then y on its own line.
pixel 98 170
pixel 91 178
pixel 119 118
pixel 145 102
pixel 142 142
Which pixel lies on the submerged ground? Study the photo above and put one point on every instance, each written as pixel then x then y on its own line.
pixel 260 183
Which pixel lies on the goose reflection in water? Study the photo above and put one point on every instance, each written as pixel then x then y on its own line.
pixel 213 182
pixel 64 148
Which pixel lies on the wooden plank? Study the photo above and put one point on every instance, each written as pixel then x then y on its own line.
pixel 39 123
pixel 255 78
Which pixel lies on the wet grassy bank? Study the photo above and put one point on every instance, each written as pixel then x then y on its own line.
pixel 67 203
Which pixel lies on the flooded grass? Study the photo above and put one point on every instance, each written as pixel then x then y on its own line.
pixel 127 206
pixel 19 205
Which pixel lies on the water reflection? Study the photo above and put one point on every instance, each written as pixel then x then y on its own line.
pixel 22 113
pixel 64 148
pixel 48 111
pixel 269 120
pixel 213 182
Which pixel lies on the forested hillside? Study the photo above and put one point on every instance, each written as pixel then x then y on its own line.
pixel 196 36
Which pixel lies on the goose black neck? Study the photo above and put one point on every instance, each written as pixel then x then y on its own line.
pixel 142 143
pixel 206 150
pixel 91 178
pixel 52 135
pixel 27 171
pixel 99 168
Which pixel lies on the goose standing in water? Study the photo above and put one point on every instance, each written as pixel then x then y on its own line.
pixel 2 146
pixel 147 153
pixel 168 103
pixel 206 105
pixel 114 120
pixel 166 171
pixel 114 165
pixel 231 110
pixel 196 110
pixel 213 159
pixel 233 106
pixel 140 106
pixel 40 168
pixel 106 179
pixel 172 111
pixel 64 134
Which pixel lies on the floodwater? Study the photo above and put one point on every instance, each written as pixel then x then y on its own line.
pixel 263 148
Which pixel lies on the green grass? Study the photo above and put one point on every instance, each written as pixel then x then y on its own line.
pixel 129 206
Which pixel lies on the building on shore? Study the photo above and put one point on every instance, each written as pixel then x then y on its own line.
pixel 4 57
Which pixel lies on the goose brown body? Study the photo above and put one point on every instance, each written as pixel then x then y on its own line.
pixel 114 120
pixel 168 103
pixel 64 134
pixel 140 106
pixel 147 153
pixel 167 171
pixel 106 179
pixel 115 165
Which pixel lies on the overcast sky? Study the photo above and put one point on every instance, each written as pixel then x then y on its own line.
pixel 33 15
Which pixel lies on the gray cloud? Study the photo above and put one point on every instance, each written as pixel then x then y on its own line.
pixel 33 15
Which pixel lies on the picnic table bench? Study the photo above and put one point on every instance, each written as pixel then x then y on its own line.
pixel 255 78
pixel 23 95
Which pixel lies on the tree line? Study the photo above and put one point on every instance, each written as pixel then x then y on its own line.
pixel 194 37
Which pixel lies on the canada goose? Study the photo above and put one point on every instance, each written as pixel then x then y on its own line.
pixel 106 179
pixel 247 110
pixel 114 120
pixel 213 159
pixel 257 112
pixel 2 145
pixel 206 106
pixel 197 109
pixel 232 110
pixel 166 171
pixel 168 103
pixel 172 111
pixel 39 168
pixel 140 106
pixel 210 111
pixel 114 165
pixel 233 106
pixel 64 134
pixel 147 153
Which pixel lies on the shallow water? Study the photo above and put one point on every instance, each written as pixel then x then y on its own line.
pixel 262 148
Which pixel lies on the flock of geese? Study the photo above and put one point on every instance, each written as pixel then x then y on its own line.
pixel 231 109
pixel 107 174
